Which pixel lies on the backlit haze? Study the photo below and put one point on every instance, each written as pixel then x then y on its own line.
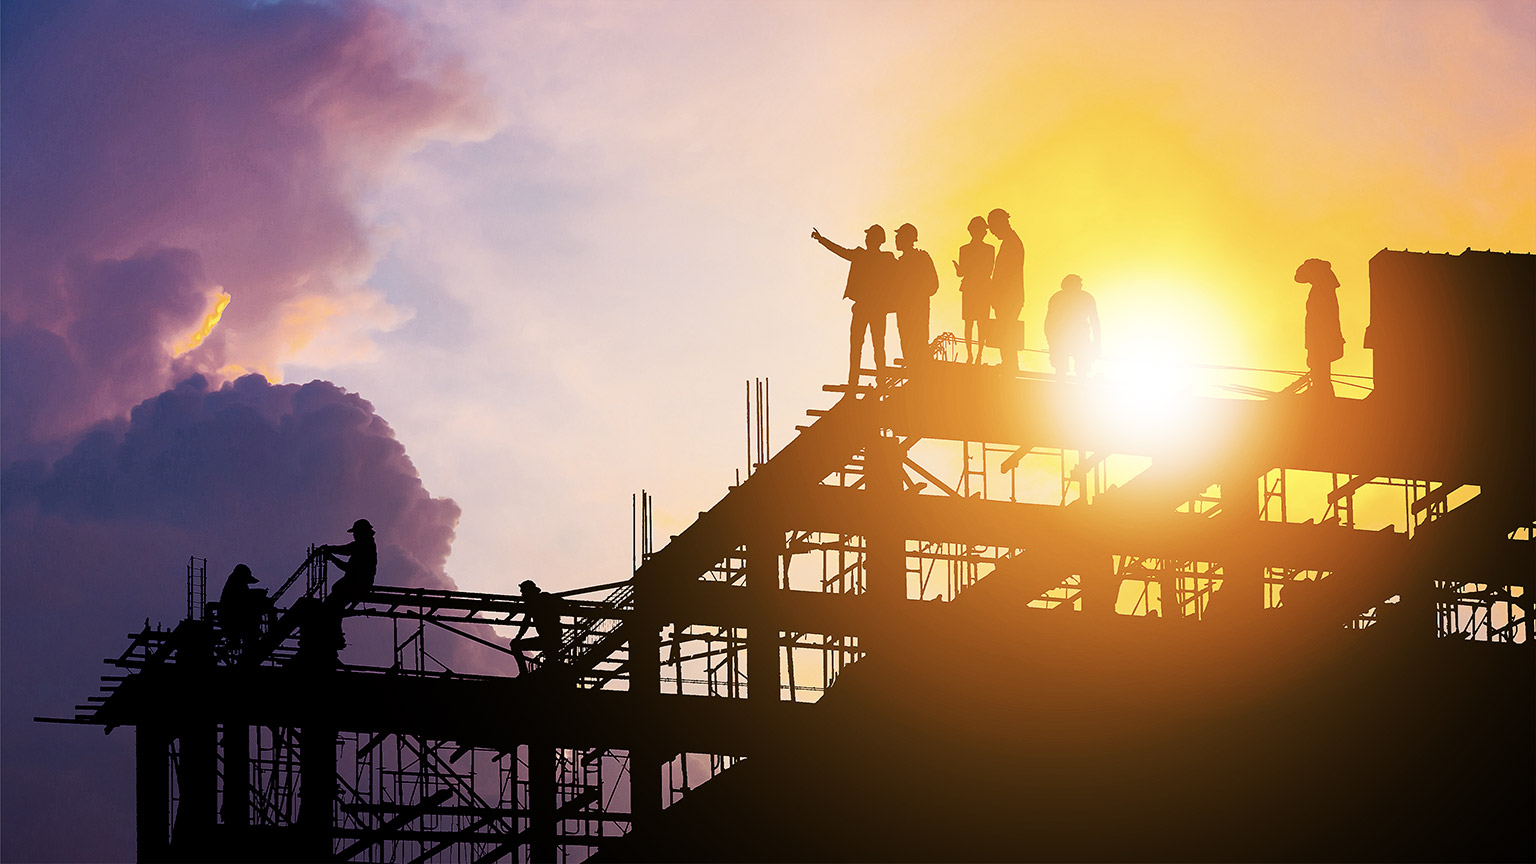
pixel 537 249
pixel 594 282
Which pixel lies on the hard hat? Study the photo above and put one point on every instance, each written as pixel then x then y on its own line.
pixel 907 228
pixel 361 525
pixel 997 213
pixel 242 573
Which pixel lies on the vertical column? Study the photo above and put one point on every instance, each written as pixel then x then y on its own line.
pixel 197 782
pixel 319 642
pixel 236 744
pixel 885 547
pixel 197 770
pixel 152 808
pixel 765 549
pixel 645 756
pixel 1243 581
pixel 541 799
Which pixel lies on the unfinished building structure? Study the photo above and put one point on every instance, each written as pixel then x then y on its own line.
pixel 961 615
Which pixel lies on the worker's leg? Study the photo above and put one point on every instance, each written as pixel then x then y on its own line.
pixel 856 343
pixel 877 334
pixel 1322 375
pixel 906 335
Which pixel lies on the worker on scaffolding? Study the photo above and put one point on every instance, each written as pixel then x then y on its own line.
pixel 1072 328
pixel 1324 336
pixel 1007 288
pixel 361 565
pixel 916 282
pixel 241 610
pixel 870 274
pixel 543 615
pixel 974 267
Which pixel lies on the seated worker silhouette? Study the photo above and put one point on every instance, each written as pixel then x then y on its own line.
pixel 242 609
pixel 916 282
pixel 1072 328
pixel 870 273
pixel 544 610
pixel 1007 287
pixel 974 268
pixel 360 567
pixel 1324 337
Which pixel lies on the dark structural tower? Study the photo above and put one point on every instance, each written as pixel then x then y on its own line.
pixel 960 616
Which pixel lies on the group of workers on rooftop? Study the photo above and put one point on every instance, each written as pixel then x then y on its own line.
pixel 992 296
pixel 991 284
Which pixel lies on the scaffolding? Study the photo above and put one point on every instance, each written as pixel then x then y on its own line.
pixel 909 491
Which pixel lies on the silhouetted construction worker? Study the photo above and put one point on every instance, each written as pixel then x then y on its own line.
pixel 1007 287
pixel 870 272
pixel 975 271
pixel 1325 338
pixel 360 567
pixel 916 282
pixel 544 611
pixel 1072 328
pixel 241 609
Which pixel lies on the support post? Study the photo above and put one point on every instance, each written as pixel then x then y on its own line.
pixel 1244 576
pixel 541 800
pixel 645 757
pixel 152 806
pixel 765 549
pixel 236 744
pixel 320 638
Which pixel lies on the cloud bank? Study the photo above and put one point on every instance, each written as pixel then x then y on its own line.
pixel 159 157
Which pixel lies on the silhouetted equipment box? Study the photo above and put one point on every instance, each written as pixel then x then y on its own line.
pixel 1454 341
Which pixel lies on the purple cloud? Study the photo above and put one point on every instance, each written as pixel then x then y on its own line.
pixel 153 151
pixel 250 472
pixel 154 155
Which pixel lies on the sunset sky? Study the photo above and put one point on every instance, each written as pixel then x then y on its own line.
pixel 549 242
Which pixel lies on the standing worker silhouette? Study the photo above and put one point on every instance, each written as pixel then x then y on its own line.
pixel 360 567
pixel 1007 287
pixel 869 287
pixel 1072 328
pixel 1325 339
pixel 543 615
pixel 916 282
pixel 975 271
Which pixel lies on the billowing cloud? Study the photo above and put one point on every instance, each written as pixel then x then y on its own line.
pixel 251 472
pixel 160 158
pixel 157 154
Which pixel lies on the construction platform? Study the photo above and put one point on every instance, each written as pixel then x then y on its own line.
pixel 1003 617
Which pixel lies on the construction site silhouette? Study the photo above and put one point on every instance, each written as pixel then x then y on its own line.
pixel 881 645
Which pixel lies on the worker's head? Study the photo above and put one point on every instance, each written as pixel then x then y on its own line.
pixel 240 574
pixel 978 227
pixel 997 220
pixel 1072 282
pixel 528 587
pixel 361 528
pixel 906 236
pixel 1318 272
pixel 874 237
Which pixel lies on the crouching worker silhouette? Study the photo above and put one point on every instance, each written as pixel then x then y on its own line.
pixel 543 615
pixel 1325 339
pixel 360 567
pixel 242 610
